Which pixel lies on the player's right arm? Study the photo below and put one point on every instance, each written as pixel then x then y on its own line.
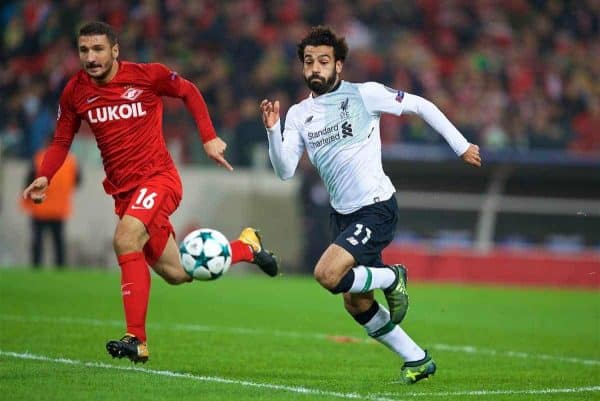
pixel 285 147
pixel 67 125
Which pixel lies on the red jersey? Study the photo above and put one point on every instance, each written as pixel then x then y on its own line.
pixel 125 116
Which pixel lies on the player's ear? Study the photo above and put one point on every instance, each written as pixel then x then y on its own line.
pixel 339 66
pixel 115 50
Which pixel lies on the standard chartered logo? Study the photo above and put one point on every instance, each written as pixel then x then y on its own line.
pixel 324 136
pixel 329 134
pixel 324 131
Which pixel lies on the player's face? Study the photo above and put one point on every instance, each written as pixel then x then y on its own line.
pixel 321 70
pixel 98 57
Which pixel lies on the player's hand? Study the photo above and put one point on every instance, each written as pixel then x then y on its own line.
pixel 36 190
pixel 270 112
pixel 215 149
pixel 471 156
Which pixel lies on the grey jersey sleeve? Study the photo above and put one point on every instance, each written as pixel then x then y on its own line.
pixel 381 99
pixel 285 147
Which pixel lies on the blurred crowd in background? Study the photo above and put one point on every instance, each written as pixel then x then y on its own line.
pixel 513 75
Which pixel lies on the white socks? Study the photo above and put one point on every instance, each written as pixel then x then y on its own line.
pixel 370 278
pixel 381 328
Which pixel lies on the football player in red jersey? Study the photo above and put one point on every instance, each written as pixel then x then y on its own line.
pixel 121 102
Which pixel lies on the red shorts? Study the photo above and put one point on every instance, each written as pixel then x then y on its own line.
pixel 153 202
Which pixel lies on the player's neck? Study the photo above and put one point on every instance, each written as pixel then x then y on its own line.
pixel 113 71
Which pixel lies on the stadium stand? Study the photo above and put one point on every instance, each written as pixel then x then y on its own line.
pixel 516 77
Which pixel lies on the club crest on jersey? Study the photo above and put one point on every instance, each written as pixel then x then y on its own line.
pixel 118 112
pixel 131 93
pixel 344 108
pixel 344 105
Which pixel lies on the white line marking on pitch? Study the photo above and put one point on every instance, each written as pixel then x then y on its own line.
pixel 212 379
pixel 291 334
pixel 590 389
pixel 293 389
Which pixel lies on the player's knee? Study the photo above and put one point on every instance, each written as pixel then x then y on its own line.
pixel 351 308
pixel 326 277
pixel 176 280
pixel 356 305
pixel 172 272
pixel 330 279
pixel 126 241
pixel 349 305
pixel 177 276
pixel 122 244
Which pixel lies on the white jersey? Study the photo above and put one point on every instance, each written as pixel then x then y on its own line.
pixel 340 132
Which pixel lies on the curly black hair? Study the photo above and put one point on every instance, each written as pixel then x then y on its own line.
pixel 99 28
pixel 323 35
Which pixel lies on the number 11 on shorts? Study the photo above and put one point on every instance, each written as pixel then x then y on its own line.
pixel 359 229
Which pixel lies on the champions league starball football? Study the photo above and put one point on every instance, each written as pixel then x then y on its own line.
pixel 205 254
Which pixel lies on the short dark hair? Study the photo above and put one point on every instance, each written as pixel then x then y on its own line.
pixel 99 28
pixel 323 35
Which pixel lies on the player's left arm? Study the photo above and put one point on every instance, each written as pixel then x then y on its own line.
pixel 381 99
pixel 169 83
pixel 429 112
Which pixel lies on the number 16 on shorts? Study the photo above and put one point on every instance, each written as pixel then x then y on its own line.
pixel 144 200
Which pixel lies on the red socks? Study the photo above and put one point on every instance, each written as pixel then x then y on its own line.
pixel 241 252
pixel 135 285
pixel 135 289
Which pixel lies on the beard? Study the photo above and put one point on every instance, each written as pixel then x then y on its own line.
pixel 320 85
pixel 103 72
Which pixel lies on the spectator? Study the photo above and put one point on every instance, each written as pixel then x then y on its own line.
pixel 240 49
pixel 585 125
pixel 52 214
pixel 248 135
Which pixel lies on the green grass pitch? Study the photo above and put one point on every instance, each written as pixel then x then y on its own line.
pixel 249 337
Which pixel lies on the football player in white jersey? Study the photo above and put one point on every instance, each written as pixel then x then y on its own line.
pixel 338 126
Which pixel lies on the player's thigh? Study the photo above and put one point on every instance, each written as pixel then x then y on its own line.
pixel 168 265
pixel 333 264
pixel 358 303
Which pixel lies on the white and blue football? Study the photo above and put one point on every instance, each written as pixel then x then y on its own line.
pixel 205 254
